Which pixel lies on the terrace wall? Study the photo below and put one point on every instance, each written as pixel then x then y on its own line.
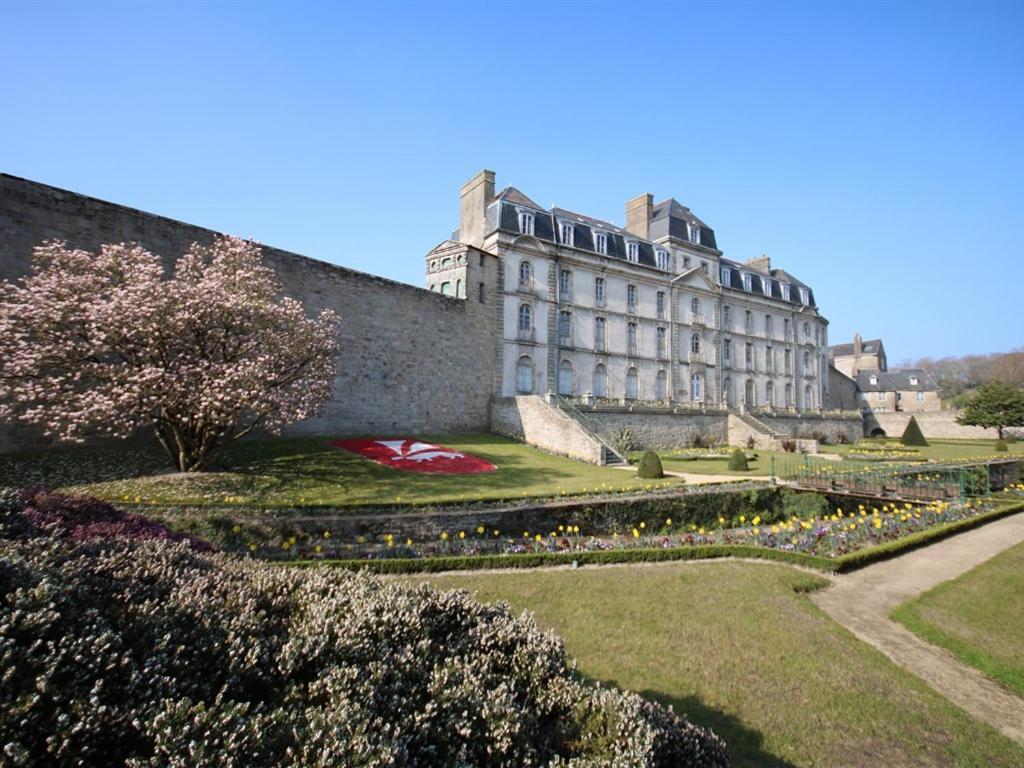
pixel 412 361
pixel 937 424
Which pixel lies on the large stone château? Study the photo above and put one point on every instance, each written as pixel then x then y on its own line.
pixel 650 312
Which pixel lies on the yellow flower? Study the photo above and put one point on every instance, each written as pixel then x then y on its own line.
pixel 462 534
pixel 721 521
pixel 495 532
pixel 327 534
pixel 444 535
pixel 743 518
pixel 756 520
pixel 538 537
pixel 252 547
pixel 479 529
pixel 701 531
pixel 317 548
pixel 526 534
pixel 636 534
pixel 237 529
pixel 668 521
pixel 643 525
pixel 408 542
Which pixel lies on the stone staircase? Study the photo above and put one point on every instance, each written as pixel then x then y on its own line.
pixel 611 455
pixel 744 426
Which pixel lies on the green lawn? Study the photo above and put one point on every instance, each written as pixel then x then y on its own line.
pixel 941 450
pixel 308 471
pixel 735 647
pixel 978 617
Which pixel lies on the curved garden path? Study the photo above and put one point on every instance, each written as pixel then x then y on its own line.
pixel 861 602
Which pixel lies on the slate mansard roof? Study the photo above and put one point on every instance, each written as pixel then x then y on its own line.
pixel 668 219
pixel 896 380
pixel 870 347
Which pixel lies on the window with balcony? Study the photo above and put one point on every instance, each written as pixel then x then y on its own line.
pixel 599 334
pixel 525 326
pixel 601 242
pixel 632 251
pixel 599 291
pixel 661 304
pixel 565 329
pixel 525 276
pixel 565 285
pixel 525 221
pixel 631 339
pixel 631 298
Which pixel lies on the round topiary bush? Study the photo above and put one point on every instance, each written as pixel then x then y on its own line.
pixel 738 461
pixel 142 651
pixel 1001 445
pixel 650 467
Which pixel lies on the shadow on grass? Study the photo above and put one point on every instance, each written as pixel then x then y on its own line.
pixel 746 746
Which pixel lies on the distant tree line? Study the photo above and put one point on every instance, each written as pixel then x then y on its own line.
pixel 958 377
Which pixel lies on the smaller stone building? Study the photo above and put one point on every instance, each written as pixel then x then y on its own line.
pixel 905 389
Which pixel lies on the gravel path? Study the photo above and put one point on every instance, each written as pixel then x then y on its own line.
pixel 861 602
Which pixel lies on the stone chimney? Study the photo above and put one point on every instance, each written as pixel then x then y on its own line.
pixel 762 263
pixel 475 195
pixel 858 345
pixel 638 215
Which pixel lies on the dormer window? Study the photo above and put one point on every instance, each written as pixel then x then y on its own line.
pixel 766 286
pixel 662 257
pixel 601 242
pixel 566 231
pixel 525 221
pixel 785 292
pixel 805 296
pixel 633 251
pixel 913 381
pixel 726 276
pixel 747 281
pixel 873 380
pixel 694 233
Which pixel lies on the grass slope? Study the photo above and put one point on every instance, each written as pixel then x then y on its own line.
pixel 735 647
pixel 308 471
pixel 978 617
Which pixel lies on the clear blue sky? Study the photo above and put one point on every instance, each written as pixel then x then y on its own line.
pixel 874 150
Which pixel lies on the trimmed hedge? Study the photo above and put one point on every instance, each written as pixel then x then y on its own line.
pixel 738 461
pixel 1001 446
pixel 913 435
pixel 650 467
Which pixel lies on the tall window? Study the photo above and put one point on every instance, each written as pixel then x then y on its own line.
pixel 662 345
pixel 697 388
pixel 807 332
pixel 566 230
pixel 788 360
pixel 525 318
pixel 632 384
pixel 565 329
pixel 525 222
pixel 631 298
pixel 808 397
pixel 695 344
pixel 807 361
pixel 524 375
pixel 785 328
pixel 565 285
pixel 659 385
pixel 785 292
pixel 749 356
pixel 789 395
pixel 631 342
pixel 705 268
pixel 601 242
pixel 662 257
pixel 805 296
pixel 694 309
pixel 727 393
pixel 599 335
pixel 726 317
pixel 694 233
pixel 600 380
pixel 726 276
pixel 769 394
pixel 632 251
pixel 766 286
pixel 661 304
pixel 459 290
pixel 727 351
pixel 599 291
pixel 747 280
pixel 767 325
pixel 565 378
pixel 748 321
pixel 525 275
pixel 769 359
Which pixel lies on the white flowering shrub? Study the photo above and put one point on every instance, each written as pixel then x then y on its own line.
pixel 150 653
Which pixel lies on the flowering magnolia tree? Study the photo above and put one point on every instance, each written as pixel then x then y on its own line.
pixel 107 344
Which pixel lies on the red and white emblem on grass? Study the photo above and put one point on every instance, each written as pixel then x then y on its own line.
pixel 416 456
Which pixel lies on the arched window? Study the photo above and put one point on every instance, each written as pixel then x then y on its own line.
pixel 459 293
pixel 446 289
pixel 565 378
pixel 632 384
pixel 807 361
pixel 695 306
pixel 695 343
pixel 749 394
pixel 659 385
pixel 769 394
pixel 525 277
pixel 525 317
pixel 524 375
pixel 697 388
pixel 600 381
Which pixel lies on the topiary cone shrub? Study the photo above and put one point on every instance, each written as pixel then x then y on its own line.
pixel 148 652
pixel 650 467
pixel 913 435
pixel 1001 445
pixel 738 461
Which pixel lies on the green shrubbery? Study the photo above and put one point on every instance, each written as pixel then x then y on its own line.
pixel 913 435
pixel 1001 446
pixel 650 467
pixel 151 653
pixel 738 461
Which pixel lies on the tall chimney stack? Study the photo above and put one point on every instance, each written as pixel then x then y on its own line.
pixel 474 198
pixel 857 345
pixel 638 215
